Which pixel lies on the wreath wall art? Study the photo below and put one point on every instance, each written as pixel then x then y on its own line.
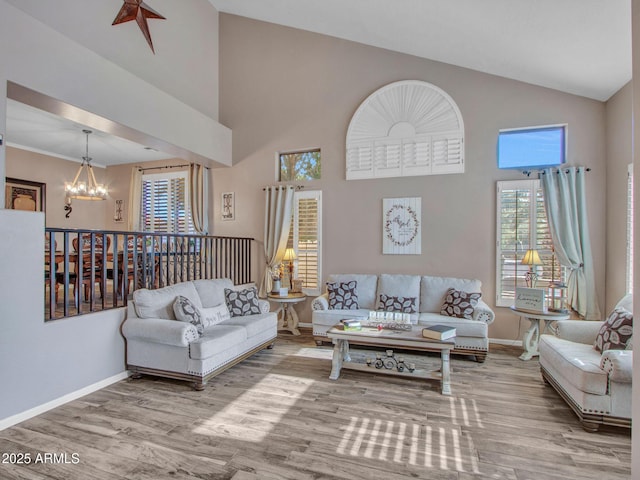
pixel 401 226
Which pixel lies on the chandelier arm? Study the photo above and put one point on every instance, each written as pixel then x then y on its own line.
pixel 75 179
pixel 92 177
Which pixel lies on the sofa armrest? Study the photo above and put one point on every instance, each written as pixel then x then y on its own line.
pixel 618 364
pixel 580 331
pixel 264 305
pixel 483 313
pixel 320 303
pixel 155 330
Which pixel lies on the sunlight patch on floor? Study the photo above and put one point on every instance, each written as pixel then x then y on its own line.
pixel 434 446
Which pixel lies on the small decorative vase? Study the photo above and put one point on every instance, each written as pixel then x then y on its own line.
pixel 276 287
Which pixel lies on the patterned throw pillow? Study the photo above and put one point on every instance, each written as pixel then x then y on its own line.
pixel 186 311
pixel 389 303
pixel 343 295
pixel 459 304
pixel 242 302
pixel 616 332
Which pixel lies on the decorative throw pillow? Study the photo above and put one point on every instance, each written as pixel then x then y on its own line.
pixel 459 304
pixel 390 303
pixel 214 315
pixel 616 332
pixel 343 295
pixel 186 311
pixel 243 302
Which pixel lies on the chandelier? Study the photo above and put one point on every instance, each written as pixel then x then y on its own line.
pixel 89 189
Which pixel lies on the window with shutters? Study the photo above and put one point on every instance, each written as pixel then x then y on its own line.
pixel 630 229
pixel 522 225
pixel 165 204
pixel 305 238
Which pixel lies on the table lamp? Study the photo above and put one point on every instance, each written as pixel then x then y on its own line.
pixel 531 258
pixel 290 256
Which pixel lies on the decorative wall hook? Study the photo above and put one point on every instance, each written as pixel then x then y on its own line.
pixel 67 207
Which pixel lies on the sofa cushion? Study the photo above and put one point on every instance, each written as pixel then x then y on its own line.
pixel 158 303
pixel 243 302
pixel 211 292
pixel 343 295
pixel 615 332
pixel 434 289
pixel 406 286
pixel 390 303
pixel 367 285
pixel 254 324
pixel 578 363
pixel 460 304
pixel 216 340
pixel 186 311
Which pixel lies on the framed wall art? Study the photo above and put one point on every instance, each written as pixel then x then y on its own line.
pixel 228 206
pixel 401 226
pixel 24 195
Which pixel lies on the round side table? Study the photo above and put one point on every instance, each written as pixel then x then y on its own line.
pixel 286 313
pixel 531 337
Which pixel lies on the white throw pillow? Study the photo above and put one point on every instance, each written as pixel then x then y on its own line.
pixel 214 315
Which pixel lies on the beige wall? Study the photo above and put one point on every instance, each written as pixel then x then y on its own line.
pixel 619 156
pixel 54 172
pixel 284 89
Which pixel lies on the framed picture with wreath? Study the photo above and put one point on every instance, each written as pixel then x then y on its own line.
pixel 24 195
pixel 401 226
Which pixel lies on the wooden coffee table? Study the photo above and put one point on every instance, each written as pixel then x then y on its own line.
pixel 387 339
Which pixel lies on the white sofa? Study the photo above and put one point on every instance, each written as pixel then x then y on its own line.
pixel 597 386
pixel 158 344
pixel 429 291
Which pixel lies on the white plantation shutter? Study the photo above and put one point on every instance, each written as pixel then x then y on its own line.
pixel 305 239
pixel 522 225
pixel 165 206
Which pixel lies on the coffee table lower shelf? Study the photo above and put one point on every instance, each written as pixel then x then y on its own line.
pixel 412 340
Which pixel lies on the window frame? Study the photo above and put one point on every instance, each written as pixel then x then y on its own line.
pixel 169 176
pixel 534 188
pixel 278 161
pixel 294 237
pixel 502 133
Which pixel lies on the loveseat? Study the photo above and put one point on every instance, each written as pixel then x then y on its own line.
pixel 596 383
pixel 422 297
pixel 221 325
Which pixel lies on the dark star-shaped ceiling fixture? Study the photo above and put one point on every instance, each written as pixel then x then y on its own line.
pixel 139 11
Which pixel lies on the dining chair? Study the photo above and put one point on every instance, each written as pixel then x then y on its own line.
pixel 90 264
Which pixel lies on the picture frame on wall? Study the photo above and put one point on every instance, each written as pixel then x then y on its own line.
pixel 25 195
pixel 228 206
pixel 401 226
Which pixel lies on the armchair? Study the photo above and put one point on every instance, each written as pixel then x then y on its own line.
pixel 597 386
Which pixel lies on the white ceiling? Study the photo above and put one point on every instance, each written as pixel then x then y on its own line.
pixel 576 46
pixel 32 129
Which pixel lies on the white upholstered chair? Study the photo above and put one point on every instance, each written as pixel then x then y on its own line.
pixel 596 385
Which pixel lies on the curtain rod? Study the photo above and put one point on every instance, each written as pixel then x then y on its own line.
pixel 297 187
pixel 168 166
pixel 541 172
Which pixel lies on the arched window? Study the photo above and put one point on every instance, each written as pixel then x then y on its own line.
pixel 406 128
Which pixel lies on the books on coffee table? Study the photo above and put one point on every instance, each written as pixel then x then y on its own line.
pixel 439 332
pixel 351 324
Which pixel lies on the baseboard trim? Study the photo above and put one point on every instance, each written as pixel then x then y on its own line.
pixel 35 411
pixel 502 341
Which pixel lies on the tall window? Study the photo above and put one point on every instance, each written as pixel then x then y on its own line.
pixel 165 203
pixel 522 225
pixel 630 229
pixel 302 165
pixel 305 238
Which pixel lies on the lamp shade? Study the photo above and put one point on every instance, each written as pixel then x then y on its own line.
pixel 290 255
pixel 531 257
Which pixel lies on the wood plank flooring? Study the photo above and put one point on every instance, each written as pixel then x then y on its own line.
pixel 278 416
